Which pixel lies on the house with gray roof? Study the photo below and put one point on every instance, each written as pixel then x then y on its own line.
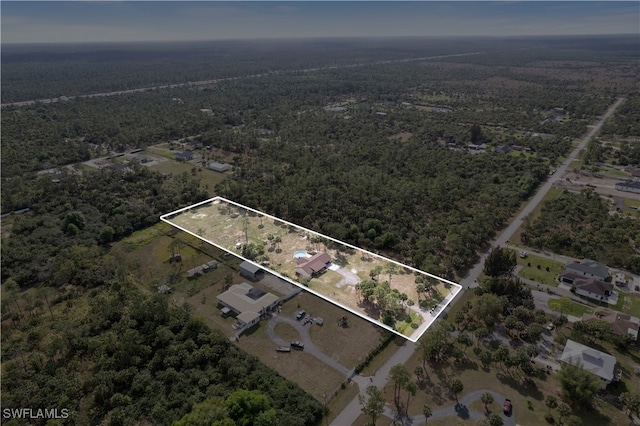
pixel 588 268
pixel 629 186
pixel 598 363
pixel 248 303
pixel 183 156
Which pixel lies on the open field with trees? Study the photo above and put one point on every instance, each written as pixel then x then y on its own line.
pixel 383 290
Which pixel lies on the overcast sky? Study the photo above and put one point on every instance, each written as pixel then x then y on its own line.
pixel 52 21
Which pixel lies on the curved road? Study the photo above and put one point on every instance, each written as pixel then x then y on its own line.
pixel 458 410
pixel 309 347
pixel 352 411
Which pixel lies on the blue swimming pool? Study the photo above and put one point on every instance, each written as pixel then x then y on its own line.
pixel 299 254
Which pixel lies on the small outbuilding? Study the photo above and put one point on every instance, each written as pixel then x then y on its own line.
pixel 251 271
pixel 218 167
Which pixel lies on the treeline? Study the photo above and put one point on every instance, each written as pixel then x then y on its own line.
pixel 431 206
pixel 37 71
pixel 130 359
pixel 626 122
pixel 581 225
pixel 47 135
pixel 56 241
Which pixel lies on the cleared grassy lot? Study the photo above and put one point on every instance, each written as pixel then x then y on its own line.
pixel 540 269
pixel 568 307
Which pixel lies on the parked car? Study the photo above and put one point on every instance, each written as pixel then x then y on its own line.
pixel 300 315
pixel 297 345
pixel 506 408
pixel 523 254
pixel 550 326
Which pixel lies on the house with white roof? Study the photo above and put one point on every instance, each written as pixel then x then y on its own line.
pixel 598 363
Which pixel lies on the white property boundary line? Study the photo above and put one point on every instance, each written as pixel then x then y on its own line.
pixel 456 288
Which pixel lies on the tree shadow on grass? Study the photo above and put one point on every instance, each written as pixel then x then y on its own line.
pixel 526 389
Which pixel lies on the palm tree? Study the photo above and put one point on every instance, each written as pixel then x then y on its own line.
pixel 427 411
pixel 487 399
pixel 551 402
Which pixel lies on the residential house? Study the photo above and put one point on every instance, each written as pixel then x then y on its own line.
pixel 598 363
pixel 184 156
pixel 248 303
pixel 588 268
pixel 309 267
pixel 592 288
pixel 621 324
pixel 629 186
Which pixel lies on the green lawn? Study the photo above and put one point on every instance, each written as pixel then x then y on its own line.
pixel 535 268
pixel 631 203
pixel 629 304
pixel 567 307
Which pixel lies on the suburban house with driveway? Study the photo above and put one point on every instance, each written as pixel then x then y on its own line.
pixel 309 267
pixel 598 363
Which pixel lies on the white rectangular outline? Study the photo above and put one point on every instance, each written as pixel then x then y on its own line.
pixel 413 338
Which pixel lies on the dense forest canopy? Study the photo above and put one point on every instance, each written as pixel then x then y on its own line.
pixel 44 71
pixel 581 225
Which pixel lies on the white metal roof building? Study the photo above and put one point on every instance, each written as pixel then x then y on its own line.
pixel 591 360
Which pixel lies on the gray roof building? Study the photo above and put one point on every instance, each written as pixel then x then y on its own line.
pixel 628 186
pixel 589 359
pixel 218 167
pixel 247 302
pixel 588 268
pixel 251 270
pixel 184 156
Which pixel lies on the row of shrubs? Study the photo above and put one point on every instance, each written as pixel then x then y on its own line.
pixel 375 351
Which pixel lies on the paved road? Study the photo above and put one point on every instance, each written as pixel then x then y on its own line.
pixel 352 411
pixel 470 279
pixel 309 347
pixel 458 410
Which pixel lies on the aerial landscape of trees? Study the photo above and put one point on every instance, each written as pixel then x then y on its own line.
pixel 393 173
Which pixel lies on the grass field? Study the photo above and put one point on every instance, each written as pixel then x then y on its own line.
pixel 568 307
pixel 629 304
pixel 209 178
pixel 537 271
pixel 631 203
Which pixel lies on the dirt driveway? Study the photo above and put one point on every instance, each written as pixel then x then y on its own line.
pixel 602 185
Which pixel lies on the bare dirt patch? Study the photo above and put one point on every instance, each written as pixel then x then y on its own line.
pixel 603 185
pixel 402 136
